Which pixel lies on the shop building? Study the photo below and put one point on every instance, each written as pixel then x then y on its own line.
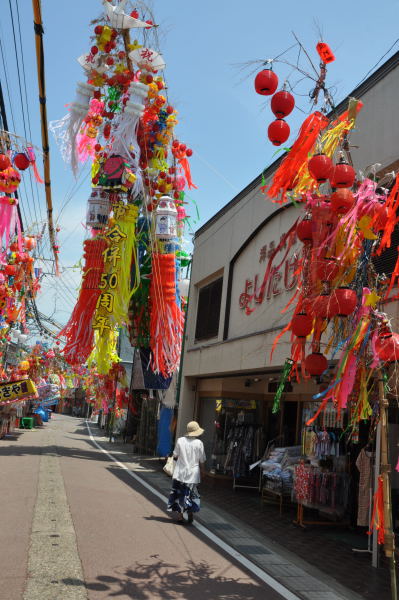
pixel 229 377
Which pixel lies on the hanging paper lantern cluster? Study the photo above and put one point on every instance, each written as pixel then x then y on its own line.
pixel 10 165
pixel 282 104
pixel 322 169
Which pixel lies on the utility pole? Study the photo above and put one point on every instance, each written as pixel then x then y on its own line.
pixel 385 469
pixel 38 27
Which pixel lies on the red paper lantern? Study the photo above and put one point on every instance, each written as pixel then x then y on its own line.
pixel 278 132
pixel 29 243
pixel 342 201
pixel 342 176
pixel 315 364
pixel 20 257
pixel 325 306
pixel 11 270
pixel 387 347
pixel 4 162
pixel 346 301
pixel 266 82
pixel 12 315
pixel 327 269
pixel 9 180
pixel 282 104
pixel 302 325
pixel 304 231
pixel 21 161
pixel 320 167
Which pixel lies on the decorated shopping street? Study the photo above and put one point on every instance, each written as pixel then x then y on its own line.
pixel 199 317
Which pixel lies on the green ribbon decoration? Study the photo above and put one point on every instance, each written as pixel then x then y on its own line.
pixel 283 380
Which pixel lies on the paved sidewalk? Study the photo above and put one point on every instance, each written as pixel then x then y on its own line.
pixel 76 524
pixel 53 553
pixel 304 579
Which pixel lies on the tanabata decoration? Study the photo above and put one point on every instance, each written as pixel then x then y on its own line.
pixel 78 331
pixel 166 318
pixel 339 333
pixel 121 121
pixel 347 223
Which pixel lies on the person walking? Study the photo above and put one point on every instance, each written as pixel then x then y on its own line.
pixel 189 455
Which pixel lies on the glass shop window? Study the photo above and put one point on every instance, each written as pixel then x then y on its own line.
pixel 208 312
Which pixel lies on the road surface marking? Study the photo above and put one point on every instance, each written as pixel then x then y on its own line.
pixel 245 562
pixel 54 566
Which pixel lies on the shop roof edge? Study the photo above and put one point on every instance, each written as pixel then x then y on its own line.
pixel 358 92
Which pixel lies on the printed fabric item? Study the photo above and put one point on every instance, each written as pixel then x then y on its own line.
pixel 364 464
pixel 302 483
pixel 184 497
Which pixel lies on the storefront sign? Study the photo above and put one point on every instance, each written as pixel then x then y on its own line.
pixel 240 404
pixel 265 275
pixel 15 390
pixel 283 276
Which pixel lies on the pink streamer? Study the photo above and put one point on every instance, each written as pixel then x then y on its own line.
pixel 347 383
pixel 8 219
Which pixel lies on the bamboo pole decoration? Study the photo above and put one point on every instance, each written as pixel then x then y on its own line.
pixel 126 41
pixel 385 469
pixel 38 27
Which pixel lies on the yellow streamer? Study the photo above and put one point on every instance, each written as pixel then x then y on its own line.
pixel 128 250
pixel 328 145
pixel 104 354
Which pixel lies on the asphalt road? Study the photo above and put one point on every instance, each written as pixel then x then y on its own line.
pixel 75 525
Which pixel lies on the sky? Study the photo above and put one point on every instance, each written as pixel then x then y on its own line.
pixel 205 45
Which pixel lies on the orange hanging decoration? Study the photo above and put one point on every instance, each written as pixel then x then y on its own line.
pixel 377 519
pixel 166 318
pixel 78 330
pixel 325 52
pixel 286 175
pixel 392 205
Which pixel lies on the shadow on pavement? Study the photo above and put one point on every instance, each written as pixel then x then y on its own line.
pixel 161 519
pixel 62 451
pixel 169 581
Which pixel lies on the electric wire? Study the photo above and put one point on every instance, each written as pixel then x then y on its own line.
pixel 3 58
pixel 377 63
pixel 35 197
pixel 24 120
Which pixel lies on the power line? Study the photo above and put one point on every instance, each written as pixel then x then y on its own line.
pixel 24 110
pixel 38 28
pixel 7 84
pixel 378 62
pixel 35 198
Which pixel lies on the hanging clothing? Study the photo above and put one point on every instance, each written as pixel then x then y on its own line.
pixel 244 448
pixel 364 464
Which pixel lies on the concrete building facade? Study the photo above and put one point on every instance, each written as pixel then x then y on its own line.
pixel 227 348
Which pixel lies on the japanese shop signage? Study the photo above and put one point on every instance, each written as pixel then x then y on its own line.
pixel 16 390
pixel 282 277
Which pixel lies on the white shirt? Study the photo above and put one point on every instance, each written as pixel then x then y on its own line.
pixel 190 453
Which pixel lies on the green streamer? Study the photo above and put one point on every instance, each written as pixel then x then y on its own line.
pixel 283 380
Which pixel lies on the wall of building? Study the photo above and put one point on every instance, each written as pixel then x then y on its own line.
pixel 245 343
